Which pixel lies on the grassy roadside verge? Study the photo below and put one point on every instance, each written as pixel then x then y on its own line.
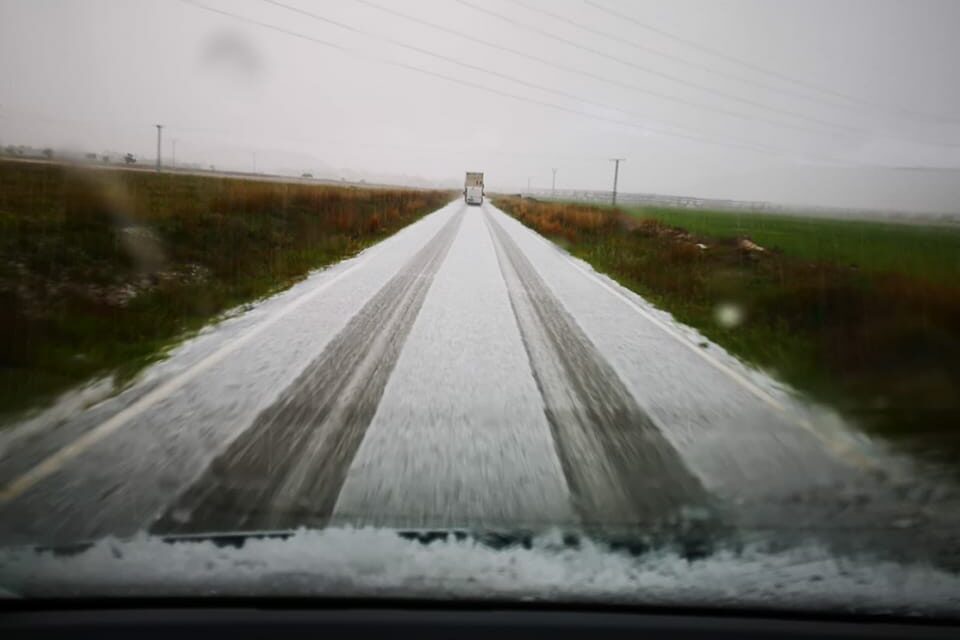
pixel 924 251
pixel 101 271
pixel 877 337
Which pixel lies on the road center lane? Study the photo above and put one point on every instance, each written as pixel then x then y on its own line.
pixel 460 438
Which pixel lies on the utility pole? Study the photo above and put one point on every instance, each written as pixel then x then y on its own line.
pixel 159 148
pixel 616 173
pixel 553 186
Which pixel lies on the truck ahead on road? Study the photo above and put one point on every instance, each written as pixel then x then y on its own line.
pixel 473 188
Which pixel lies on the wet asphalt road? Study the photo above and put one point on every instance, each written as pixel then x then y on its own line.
pixel 464 373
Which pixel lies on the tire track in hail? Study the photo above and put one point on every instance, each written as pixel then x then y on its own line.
pixel 287 469
pixel 620 469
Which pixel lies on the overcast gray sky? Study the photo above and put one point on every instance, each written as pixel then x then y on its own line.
pixel 843 102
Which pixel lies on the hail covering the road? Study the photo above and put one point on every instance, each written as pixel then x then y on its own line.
pixel 460 438
pixel 462 374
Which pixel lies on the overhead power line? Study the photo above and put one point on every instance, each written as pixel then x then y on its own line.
pixel 614 82
pixel 556 16
pixel 460 81
pixel 898 111
pixel 445 58
pixel 675 58
pixel 508 77
pixel 594 76
pixel 665 76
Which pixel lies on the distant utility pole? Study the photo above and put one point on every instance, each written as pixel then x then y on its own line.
pixel 159 148
pixel 553 186
pixel 616 173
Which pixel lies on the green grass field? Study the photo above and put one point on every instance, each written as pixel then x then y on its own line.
pixel 916 250
pixel 101 271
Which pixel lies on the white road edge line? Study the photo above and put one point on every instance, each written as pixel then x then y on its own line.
pixel 55 461
pixel 842 449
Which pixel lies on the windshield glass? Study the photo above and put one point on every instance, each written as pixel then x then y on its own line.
pixel 641 303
